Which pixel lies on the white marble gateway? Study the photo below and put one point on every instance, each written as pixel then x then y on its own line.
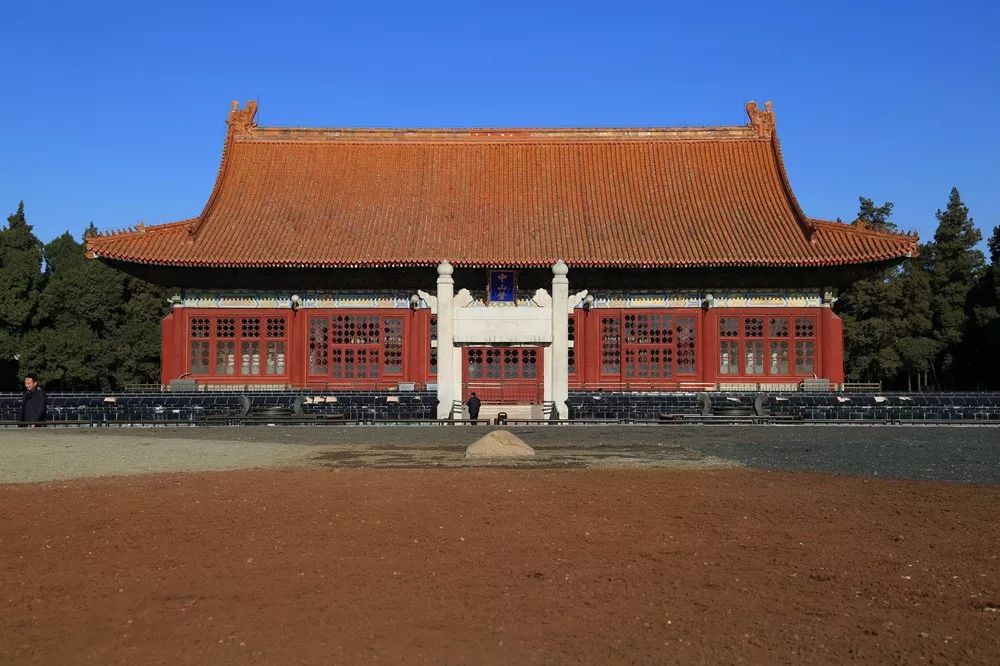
pixel 510 325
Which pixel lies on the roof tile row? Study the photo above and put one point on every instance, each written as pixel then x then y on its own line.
pixel 644 198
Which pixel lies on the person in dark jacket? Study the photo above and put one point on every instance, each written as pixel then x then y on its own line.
pixel 473 404
pixel 33 403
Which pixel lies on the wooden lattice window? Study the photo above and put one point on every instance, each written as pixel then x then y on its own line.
pixel 753 357
pixel 200 327
pixel 757 345
pixel 199 345
pixel 475 361
pixel 392 334
pixel 199 357
pixel 753 327
pixel 250 345
pixel 354 346
pixel 686 346
pixel 235 345
pixel 529 363
pixel 778 358
pixel 729 327
pixel 510 363
pixel 805 357
pixel 778 327
pixel 225 327
pixel 225 358
pixel 225 346
pixel 275 351
pixel 805 345
pixel 648 345
pixel 611 345
pixel 319 346
pixel 348 346
pixel 729 358
pixel 805 327
pixel 492 363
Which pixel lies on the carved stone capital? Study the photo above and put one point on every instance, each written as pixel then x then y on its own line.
pixel 463 298
pixel 576 300
pixel 430 299
pixel 542 298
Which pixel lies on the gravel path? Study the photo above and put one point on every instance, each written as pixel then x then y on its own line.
pixel 965 454
pixel 47 456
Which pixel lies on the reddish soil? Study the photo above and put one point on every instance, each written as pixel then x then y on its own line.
pixel 490 566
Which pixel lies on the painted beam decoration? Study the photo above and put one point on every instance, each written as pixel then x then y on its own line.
pixel 751 298
pixel 503 286
pixel 238 298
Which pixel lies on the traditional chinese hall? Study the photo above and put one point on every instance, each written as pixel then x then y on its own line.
pixel 521 264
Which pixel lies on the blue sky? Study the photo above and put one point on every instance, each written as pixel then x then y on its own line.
pixel 114 112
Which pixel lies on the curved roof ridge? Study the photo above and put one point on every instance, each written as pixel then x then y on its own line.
pixel 239 122
pixel 864 230
pixel 497 135
pixel 764 122
pixel 612 197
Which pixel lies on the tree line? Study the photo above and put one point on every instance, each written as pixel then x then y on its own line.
pixel 77 324
pixel 930 322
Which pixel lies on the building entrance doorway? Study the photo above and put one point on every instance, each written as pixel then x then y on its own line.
pixel 503 375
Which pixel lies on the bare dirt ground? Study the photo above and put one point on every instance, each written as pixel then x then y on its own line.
pixel 630 564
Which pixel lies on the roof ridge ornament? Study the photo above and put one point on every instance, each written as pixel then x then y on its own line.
pixel 762 122
pixel 241 121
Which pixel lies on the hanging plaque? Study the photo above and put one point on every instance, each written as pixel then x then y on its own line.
pixel 503 286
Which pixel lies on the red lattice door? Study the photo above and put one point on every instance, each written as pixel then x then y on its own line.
pixel 502 375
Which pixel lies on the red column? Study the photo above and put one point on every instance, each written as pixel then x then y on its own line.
pixel 579 342
pixel 708 346
pixel 173 346
pixel 591 351
pixel 297 343
pixel 831 342
pixel 417 342
pixel 168 359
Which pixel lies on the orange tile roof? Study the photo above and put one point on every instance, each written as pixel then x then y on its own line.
pixel 660 197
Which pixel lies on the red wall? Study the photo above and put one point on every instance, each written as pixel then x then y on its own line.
pixel 588 340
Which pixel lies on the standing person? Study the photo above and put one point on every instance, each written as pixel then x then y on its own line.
pixel 33 403
pixel 473 404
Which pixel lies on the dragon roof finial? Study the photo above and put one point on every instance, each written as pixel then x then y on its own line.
pixel 762 121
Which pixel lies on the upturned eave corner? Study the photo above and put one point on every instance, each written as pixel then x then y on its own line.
pixel 240 123
pixel 762 123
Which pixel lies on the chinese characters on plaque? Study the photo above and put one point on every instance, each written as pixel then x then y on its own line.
pixel 503 285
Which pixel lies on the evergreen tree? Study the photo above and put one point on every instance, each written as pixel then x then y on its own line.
pixel 77 310
pixel 917 347
pixel 955 267
pixel 871 311
pixel 994 246
pixel 979 348
pixel 875 217
pixel 80 324
pixel 20 279
pixel 136 344
pixel 95 327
